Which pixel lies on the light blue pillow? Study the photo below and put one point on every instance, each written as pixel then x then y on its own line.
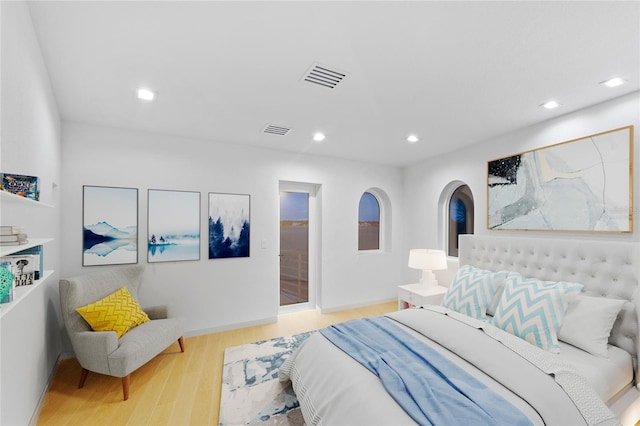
pixel 534 310
pixel 472 290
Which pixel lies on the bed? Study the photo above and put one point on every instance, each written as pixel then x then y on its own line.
pixel 506 379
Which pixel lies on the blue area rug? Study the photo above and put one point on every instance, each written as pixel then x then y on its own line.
pixel 251 392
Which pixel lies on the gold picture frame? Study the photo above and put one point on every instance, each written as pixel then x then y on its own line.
pixel 580 185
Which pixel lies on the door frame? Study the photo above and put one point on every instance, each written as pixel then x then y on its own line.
pixel 314 243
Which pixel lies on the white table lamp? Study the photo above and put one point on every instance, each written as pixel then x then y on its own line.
pixel 427 260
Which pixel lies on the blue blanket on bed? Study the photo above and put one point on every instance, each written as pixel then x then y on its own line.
pixel 429 387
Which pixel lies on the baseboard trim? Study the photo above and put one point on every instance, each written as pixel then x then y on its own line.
pixel 233 326
pixel 66 355
pixel 33 421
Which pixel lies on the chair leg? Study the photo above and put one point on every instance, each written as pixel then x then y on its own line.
pixel 126 381
pixel 181 343
pixel 83 377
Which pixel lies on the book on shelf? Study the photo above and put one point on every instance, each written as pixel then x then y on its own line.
pixel 13 243
pixel 13 238
pixel 21 185
pixel 25 268
pixel 11 230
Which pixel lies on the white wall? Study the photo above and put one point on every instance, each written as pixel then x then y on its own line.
pixel 426 180
pixel 223 293
pixel 218 294
pixel 30 144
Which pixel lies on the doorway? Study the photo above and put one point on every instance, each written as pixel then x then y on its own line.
pixel 297 241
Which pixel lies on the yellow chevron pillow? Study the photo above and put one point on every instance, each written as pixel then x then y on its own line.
pixel 117 312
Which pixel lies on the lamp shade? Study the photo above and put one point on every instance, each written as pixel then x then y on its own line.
pixel 427 259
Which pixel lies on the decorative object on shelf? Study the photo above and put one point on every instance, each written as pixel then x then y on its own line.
pixel 24 267
pixel 584 185
pixel 22 185
pixel 13 240
pixel 35 247
pixel 427 260
pixel 16 238
pixel 12 236
pixel 229 217
pixel 173 225
pixel 110 225
pixel 6 283
pixel 11 230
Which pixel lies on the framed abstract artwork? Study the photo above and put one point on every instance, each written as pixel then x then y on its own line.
pixel 582 185
pixel 109 225
pixel 229 231
pixel 173 225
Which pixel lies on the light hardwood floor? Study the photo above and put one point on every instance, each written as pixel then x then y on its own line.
pixel 174 388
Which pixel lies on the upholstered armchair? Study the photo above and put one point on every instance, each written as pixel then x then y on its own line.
pixel 102 351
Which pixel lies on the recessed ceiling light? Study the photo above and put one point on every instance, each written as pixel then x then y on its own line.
pixel 412 139
pixel 613 82
pixel 551 105
pixel 318 137
pixel 146 94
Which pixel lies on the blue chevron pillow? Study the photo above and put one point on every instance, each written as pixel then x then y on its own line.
pixel 534 310
pixel 472 290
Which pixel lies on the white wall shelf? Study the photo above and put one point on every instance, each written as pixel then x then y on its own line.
pixel 8 197
pixel 20 293
pixel 33 242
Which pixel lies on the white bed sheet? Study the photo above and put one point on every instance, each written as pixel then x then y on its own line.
pixel 609 376
pixel 330 378
pixel 342 375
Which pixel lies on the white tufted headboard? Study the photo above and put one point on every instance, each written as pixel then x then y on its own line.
pixel 607 269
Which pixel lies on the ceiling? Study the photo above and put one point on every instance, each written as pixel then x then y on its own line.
pixel 453 73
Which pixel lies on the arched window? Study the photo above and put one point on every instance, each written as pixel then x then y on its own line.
pixel 460 213
pixel 369 222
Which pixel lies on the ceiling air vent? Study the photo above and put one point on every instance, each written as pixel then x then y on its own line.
pixel 276 130
pixel 324 76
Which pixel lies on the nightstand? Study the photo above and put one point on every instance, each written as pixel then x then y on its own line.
pixel 417 295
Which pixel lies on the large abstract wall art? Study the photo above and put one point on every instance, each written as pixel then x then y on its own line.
pixel 582 185
pixel 228 225
pixel 109 225
pixel 173 225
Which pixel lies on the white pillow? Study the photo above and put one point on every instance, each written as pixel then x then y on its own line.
pixel 588 323
pixel 491 309
pixel 533 309
pixel 472 290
